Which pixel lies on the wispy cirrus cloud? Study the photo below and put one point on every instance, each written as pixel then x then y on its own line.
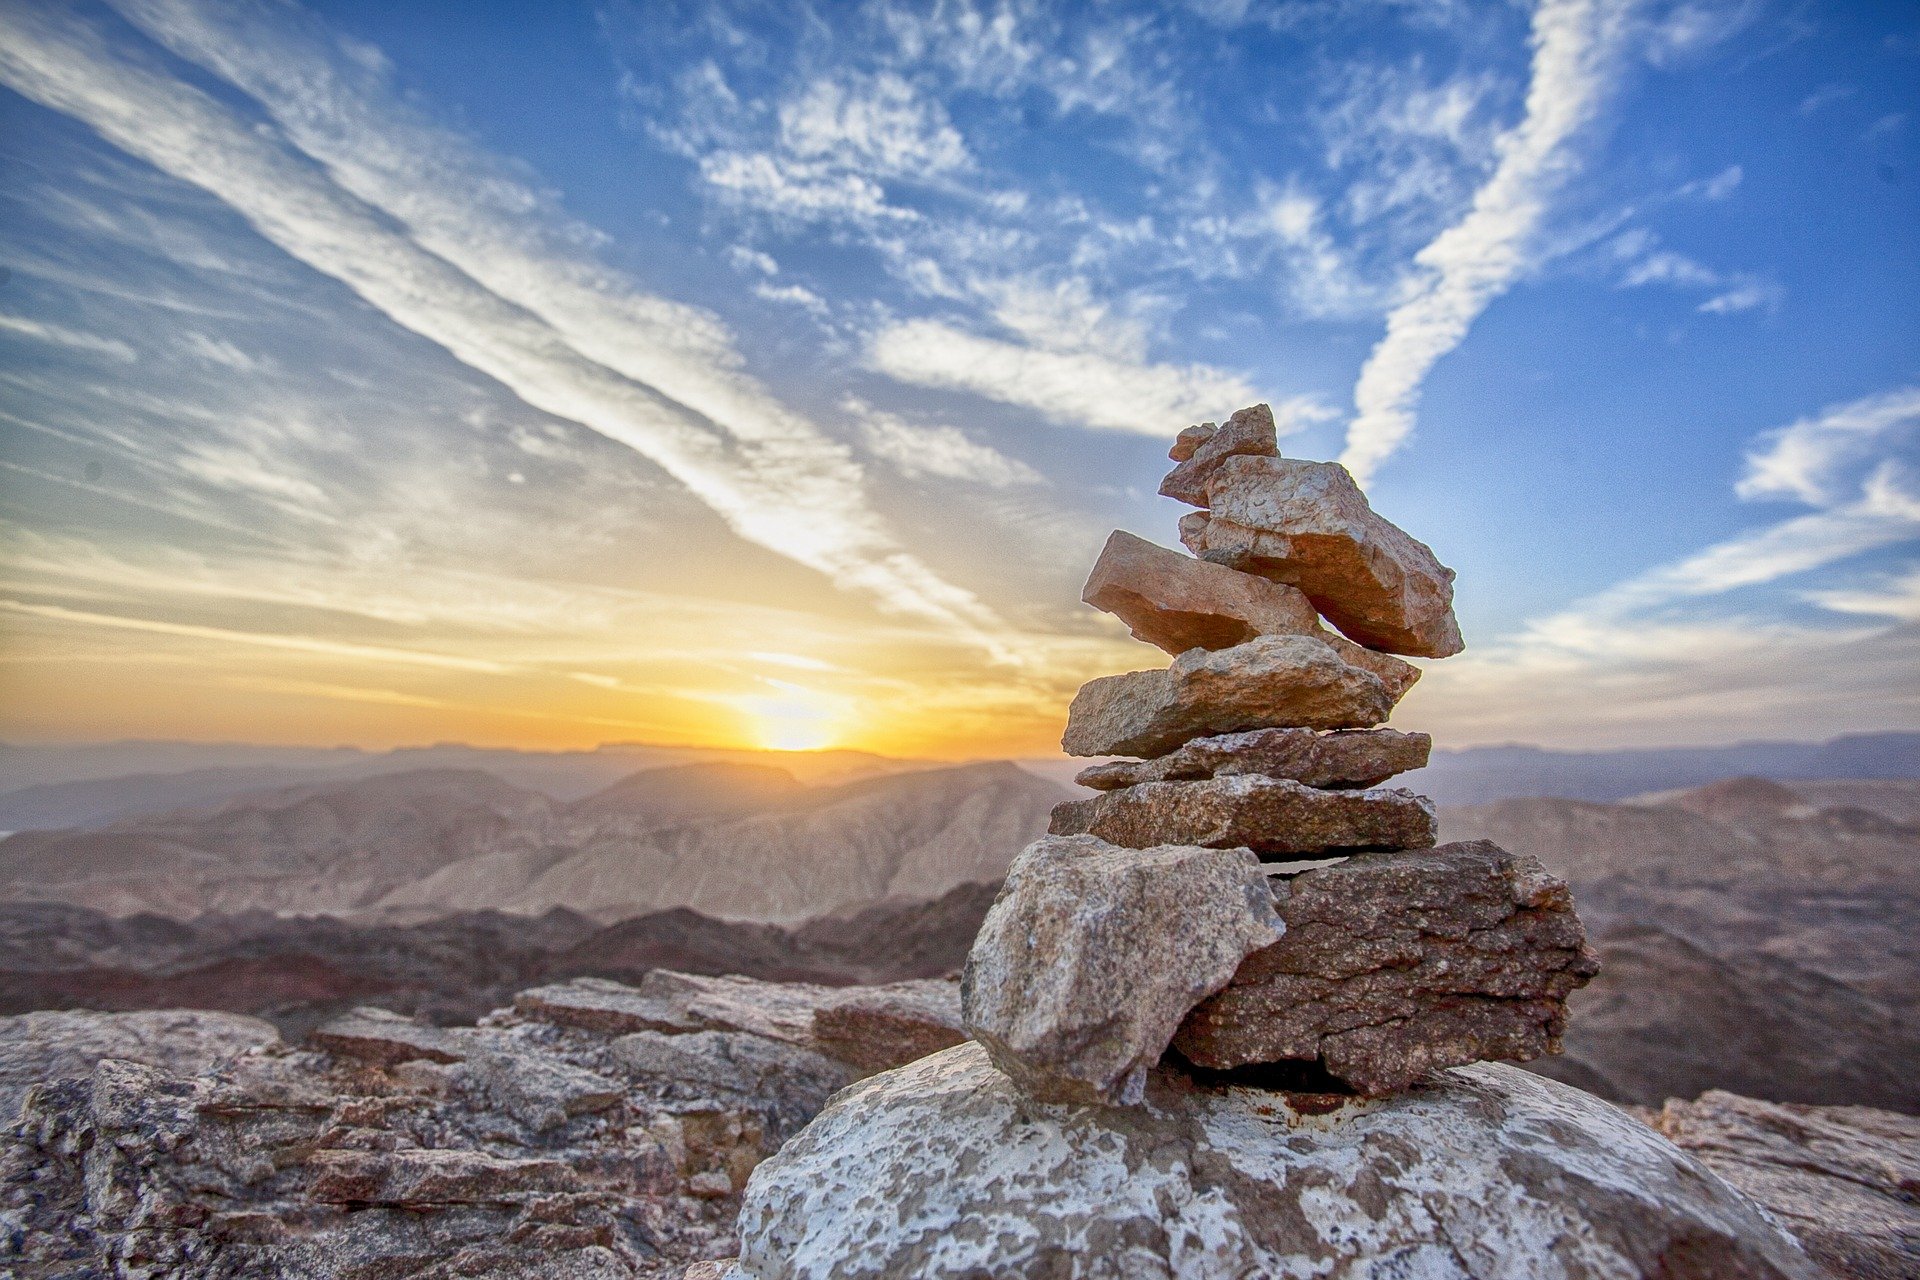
pixel 483 267
pixel 1576 48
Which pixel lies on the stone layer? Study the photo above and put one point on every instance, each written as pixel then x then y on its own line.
pixel 1271 682
pixel 1308 525
pixel 1345 758
pixel 1271 816
pixel 1394 964
pixel 1177 603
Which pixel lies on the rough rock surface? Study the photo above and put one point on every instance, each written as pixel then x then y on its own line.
pixel 1271 682
pixel 385 1038
pixel 1180 603
pixel 1249 811
pixel 942 1169
pixel 878 1028
pixel 1076 982
pixel 1397 963
pixel 1250 431
pixel 1308 525
pixel 1348 758
pixel 1845 1180
pixel 557 1140
pixel 49 1044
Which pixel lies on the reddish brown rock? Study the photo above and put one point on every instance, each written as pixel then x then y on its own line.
pixel 1345 758
pixel 1397 963
pixel 880 1028
pixel 1271 682
pixel 385 1038
pixel 1308 525
pixel 1092 955
pixel 1191 438
pixel 1249 431
pixel 1249 811
pixel 1179 603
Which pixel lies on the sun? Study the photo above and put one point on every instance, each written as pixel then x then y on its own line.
pixel 794 719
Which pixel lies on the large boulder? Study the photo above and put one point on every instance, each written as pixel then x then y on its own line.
pixel 1397 963
pixel 1092 955
pixel 1308 525
pixel 1348 758
pixel 1179 603
pixel 1249 811
pixel 944 1169
pixel 1270 682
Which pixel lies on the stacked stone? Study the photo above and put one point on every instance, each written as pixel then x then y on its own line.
pixel 1243 890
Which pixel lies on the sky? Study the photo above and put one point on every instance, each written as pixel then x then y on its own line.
pixel 546 374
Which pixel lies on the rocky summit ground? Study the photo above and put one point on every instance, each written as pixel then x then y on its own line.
pixel 597 1129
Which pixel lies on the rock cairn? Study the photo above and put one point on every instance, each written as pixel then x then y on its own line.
pixel 1243 890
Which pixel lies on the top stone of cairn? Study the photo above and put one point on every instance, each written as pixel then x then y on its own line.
pixel 1307 525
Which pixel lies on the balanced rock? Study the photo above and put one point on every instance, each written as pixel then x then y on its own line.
pixel 943 1170
pixel 1396 963
pixel 1346 758
pixel 1308 525
pixel 1273 681
pixel 1092 955
pixel 1248 432
pixel 1179 603
pixel 1249 811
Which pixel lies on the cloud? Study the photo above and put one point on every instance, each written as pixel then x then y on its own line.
pixel 793 294
pixel 1575 45
pixel 1718 187
pixel 1809 459
pixel 938 451
pixel 435 236
pixel 1074 388
pixel 61 336
pixel 1732 291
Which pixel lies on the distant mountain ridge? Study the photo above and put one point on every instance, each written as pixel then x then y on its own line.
pixel 1478 775
pixel 733 840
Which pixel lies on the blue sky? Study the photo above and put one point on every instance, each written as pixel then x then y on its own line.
pixel 548 373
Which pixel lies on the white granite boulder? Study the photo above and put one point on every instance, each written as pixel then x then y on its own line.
pixel 941 1169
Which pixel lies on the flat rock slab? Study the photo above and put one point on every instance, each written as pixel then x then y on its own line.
pixel 1308 525
pixel 384 1038
pixel 674 1002
pixel 1842 1179
pixel 1271 682
pixel 1200 451
pixel 879 1028
pixel 1248 811
pixel 605 1006
pixel 64 1044
pixel 1345 758
pixel 1396 963
pixel 942 1170
pixel 1092 955
pixel 1179 603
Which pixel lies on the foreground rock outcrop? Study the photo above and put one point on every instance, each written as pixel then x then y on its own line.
pixel 593 1132
pixel 944 1169
pixel 1845 1180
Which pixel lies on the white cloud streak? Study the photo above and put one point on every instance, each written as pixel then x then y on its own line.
pixel 942 452
pixel 483 271
pixel 61 336
pixel 1074 388
pixel 1575 43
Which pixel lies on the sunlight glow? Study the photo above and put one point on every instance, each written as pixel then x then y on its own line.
pixel 793 718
